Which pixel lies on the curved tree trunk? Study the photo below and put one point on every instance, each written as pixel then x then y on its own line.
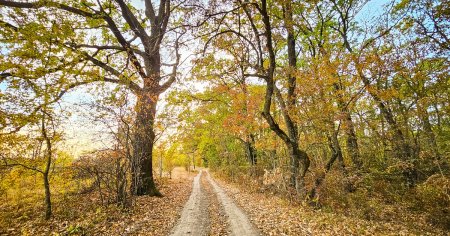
pixel 298 158
pixel 336 154
pixel 299 166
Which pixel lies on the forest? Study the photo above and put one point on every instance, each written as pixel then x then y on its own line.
pixel 312 117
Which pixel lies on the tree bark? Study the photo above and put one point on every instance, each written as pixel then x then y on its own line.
pixel 144 137
pixel 352 141
pixel 48 202
pixel 251 150
pixel 46 171
pixel 298 159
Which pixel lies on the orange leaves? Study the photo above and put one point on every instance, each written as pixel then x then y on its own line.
pixel 244 113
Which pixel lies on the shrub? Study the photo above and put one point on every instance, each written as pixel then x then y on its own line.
pixel 109 172
pixel 433 197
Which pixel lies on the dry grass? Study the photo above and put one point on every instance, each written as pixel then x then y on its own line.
pixel 274 215
pixel 81 214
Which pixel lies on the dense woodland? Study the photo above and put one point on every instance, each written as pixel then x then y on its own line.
pixel 339 106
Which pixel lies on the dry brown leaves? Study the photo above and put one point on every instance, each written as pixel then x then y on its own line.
pixel 83 216
pixel 153 215
pixel 275 216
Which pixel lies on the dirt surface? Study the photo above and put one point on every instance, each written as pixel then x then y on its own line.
pixel 194 218
pixel 237 219
pixel 198 213
pixel 218 219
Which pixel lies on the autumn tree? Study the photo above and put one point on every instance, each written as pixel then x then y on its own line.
pixel 427 18
pixel 371 64
pixel 97 41
pixel 230 87
pixel 255 32
pixel 35 152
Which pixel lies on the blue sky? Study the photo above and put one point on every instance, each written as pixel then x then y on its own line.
pixel 138 3
pixel 372 10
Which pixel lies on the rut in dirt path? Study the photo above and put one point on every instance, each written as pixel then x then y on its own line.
pixel 195 218
pixel 237 219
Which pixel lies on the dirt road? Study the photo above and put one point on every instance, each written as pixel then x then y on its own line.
pixel 195 218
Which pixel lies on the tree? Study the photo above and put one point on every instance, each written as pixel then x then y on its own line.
pixel 253 35
pixel 109 41
pixel 37 153
pixel 34 151
pixel 345 12
pixel 429 19
pixel 233 91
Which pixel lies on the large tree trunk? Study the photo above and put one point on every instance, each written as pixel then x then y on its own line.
pixel 290 137
pixel 144 137
pixel 299 161
pixel 299 166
